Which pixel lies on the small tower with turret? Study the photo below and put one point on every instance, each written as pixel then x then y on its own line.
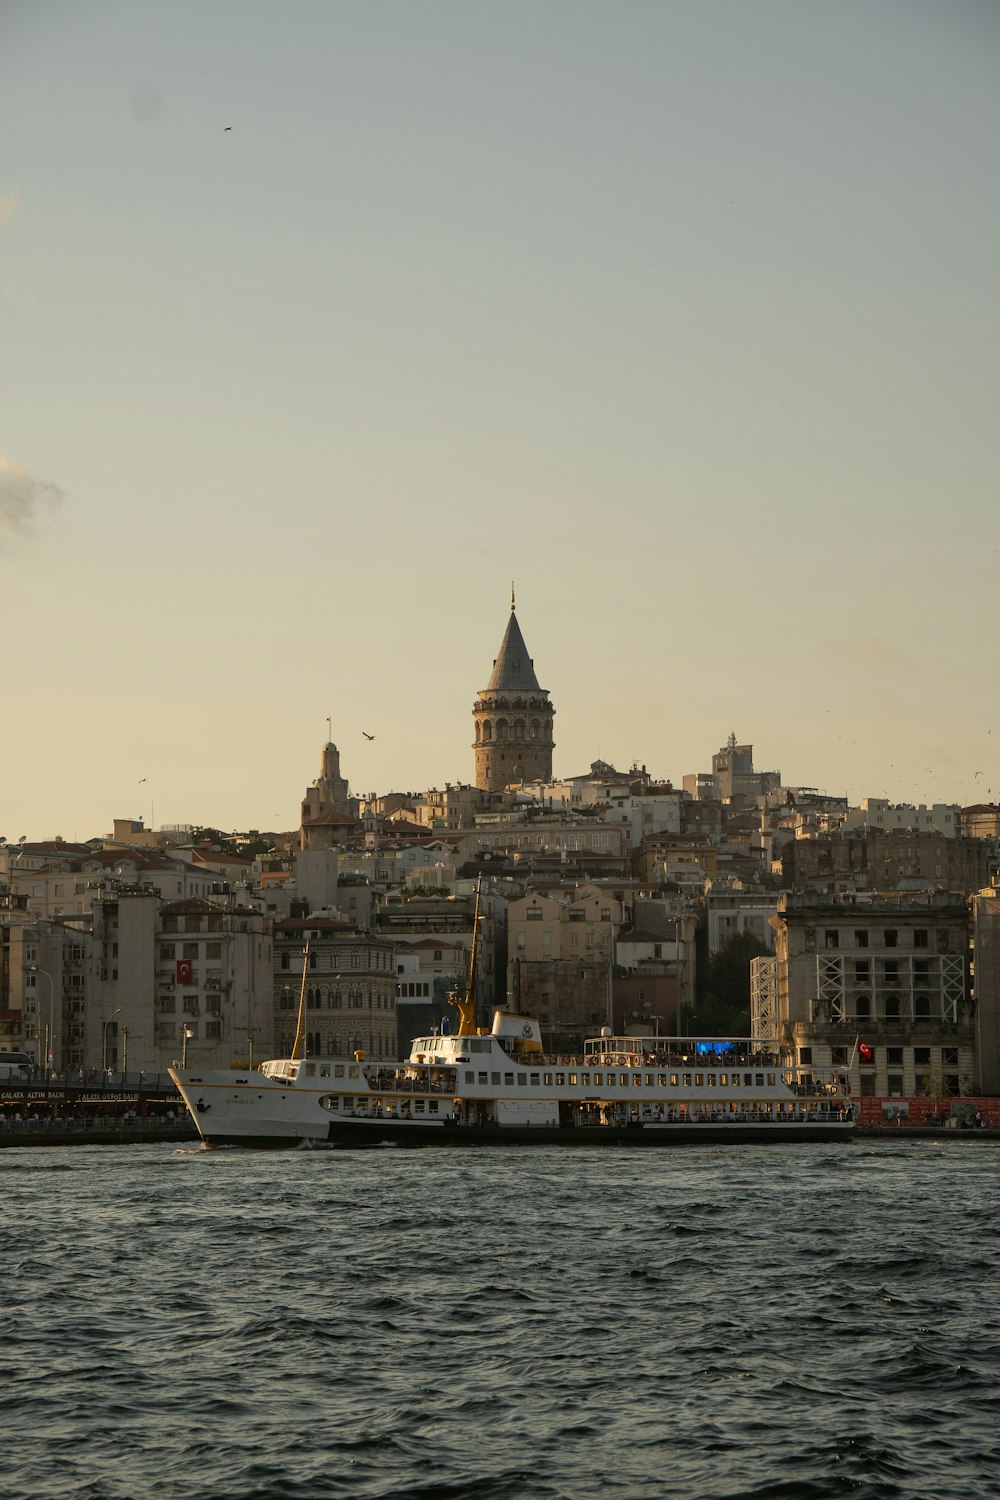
pixel 512 718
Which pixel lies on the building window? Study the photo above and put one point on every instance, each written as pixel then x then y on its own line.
pixel 891 937
pixel 832 938
pixel 861 937
pixel 920 937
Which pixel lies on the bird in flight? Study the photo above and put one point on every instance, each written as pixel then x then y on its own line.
pixel 367 735
pixel 225 128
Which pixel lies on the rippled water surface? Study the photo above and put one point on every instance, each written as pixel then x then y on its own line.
pixel 781 1321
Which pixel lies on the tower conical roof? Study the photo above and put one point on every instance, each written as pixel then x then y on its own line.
pixel 513 669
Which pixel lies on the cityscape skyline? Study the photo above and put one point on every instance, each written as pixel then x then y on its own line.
pixel 685 317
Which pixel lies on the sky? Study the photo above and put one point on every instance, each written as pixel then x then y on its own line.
pixel 320 323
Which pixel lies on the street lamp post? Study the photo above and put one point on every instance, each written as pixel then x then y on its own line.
pixel 124 1053
pixel 50 1025
pixel 104 1039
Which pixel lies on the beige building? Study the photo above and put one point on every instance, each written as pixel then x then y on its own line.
pixel 512 718
pixel 118 987
pixel 560 953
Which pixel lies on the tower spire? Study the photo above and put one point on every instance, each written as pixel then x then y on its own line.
pixel 512 596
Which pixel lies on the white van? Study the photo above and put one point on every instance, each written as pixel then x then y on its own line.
pixel 15 1067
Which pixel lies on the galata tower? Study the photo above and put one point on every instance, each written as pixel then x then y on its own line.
pixel 513 718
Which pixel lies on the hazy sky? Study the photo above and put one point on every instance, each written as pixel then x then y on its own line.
pixel 683 315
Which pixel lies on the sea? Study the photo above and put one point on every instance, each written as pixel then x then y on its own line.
pixel 741 1321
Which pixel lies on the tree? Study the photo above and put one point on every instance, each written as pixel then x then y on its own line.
pixel 723 1004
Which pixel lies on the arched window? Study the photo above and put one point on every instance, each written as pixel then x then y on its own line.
pixel 922 1005
pixel 487 730
pixel 892 1007
pixel 862 1006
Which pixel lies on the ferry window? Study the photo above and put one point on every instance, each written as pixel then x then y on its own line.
pixel 759 1079
pixel 338 1071
pixel 333 1103
pixel 310 1070
pixel 534 1079
pixel 723 1079
pixel 418 1105
pixel 470 1077
pixel 348 1101
pixel 699 1079
pixel 598 1080
pixel 661 1079
pixel 649 1080
pixel 483 1078
pixel 612 1080
pixel 734 1081
pixel 433 1106
pixel 637 1080
pixel 560 1078
pixel 508 1079
pixel 673 1080
pixel 770 1080
pixel 572 1078
pixel 686 1080
pixel 494 1077
pixel 324 1072
pixel 711 1080
pixel 548 1078
pixel 354 1071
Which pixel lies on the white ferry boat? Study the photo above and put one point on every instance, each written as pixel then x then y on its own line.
pixel 498 1087
pixel 473 1089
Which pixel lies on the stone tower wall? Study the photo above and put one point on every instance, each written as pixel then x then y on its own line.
pixel 513 738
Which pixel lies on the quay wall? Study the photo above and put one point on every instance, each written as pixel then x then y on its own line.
pixel 930 1113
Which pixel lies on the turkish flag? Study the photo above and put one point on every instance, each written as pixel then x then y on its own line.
pixel 184 972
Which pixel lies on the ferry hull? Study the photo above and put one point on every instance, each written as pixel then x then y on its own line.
pixel 359 1134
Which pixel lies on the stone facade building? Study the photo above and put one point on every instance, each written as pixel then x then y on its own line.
pixel 350 989
pixel 879 860
pixel 513 719
pixel 329 812
pixel 876 987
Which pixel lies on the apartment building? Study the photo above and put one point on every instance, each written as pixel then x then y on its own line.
pixel 878 988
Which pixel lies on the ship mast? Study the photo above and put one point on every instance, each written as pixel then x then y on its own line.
pixel 300 1025
pixel 467 1006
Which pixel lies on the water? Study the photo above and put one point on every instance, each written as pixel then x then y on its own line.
pixel 785 1321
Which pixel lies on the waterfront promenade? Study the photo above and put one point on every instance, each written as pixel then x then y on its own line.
pixel 91 1108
